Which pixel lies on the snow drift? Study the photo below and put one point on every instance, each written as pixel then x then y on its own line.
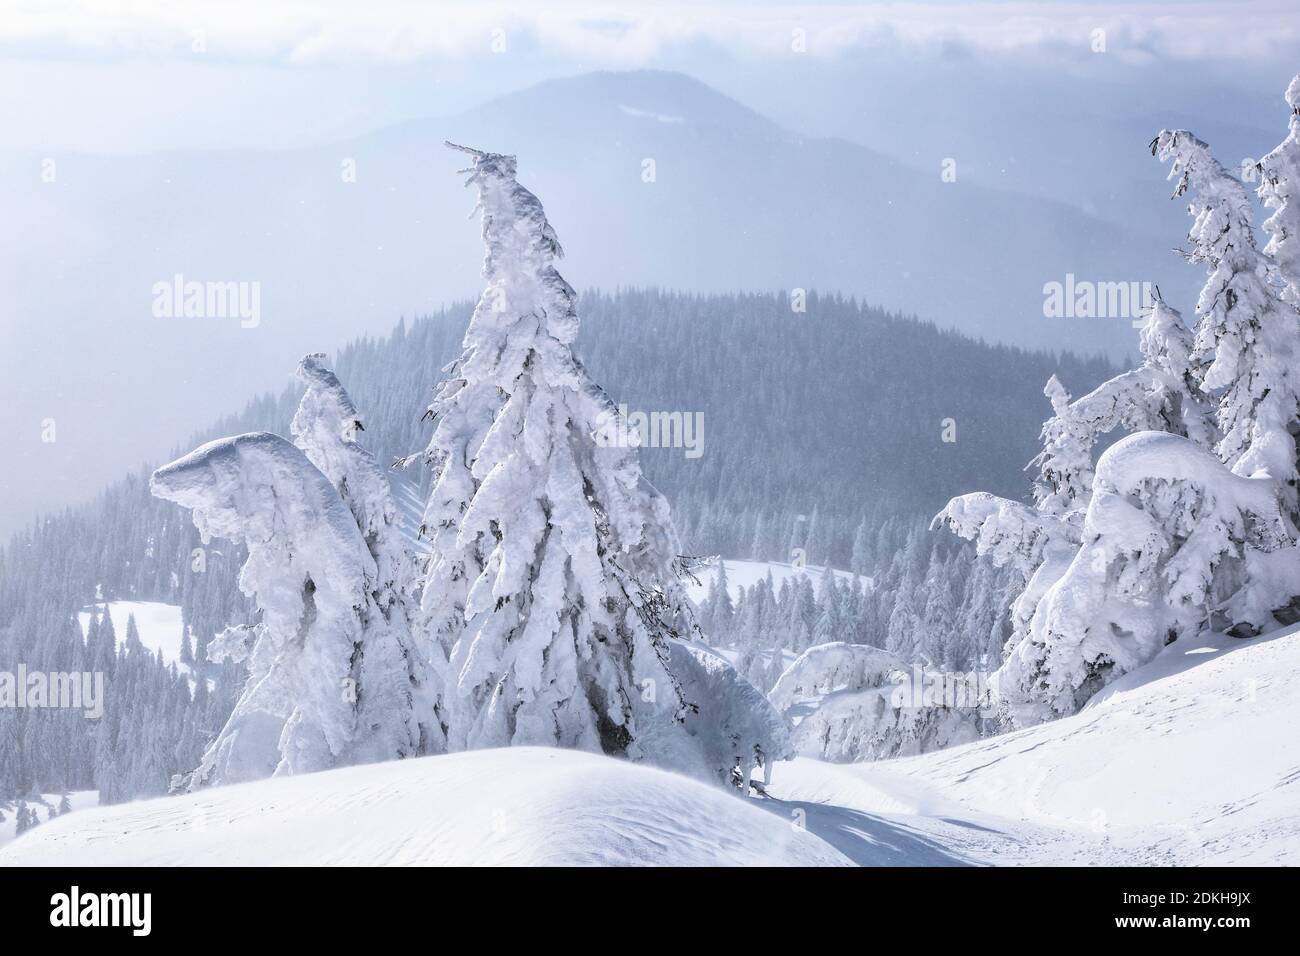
pixel 520 806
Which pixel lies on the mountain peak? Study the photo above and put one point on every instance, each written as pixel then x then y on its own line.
pixel 661 96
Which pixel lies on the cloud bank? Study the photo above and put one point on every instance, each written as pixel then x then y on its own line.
pixel 631 34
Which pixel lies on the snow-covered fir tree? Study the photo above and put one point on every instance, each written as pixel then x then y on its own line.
pixel 1279 189
pixel 313 577
pixel 1247 340
pixel 1162 544
pixel 1188 523
pixel 398 669
pixel 553 579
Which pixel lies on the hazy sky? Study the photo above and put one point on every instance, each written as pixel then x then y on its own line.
pixel 1050 100
pixel 146 75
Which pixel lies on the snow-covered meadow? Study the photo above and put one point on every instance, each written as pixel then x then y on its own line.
pixel 159 625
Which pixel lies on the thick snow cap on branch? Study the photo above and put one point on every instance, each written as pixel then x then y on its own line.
pixel 1164 527
pixel 261 490
pixel 1009 532
pixel 310 573
pixel 1248 341
pixel 1162 394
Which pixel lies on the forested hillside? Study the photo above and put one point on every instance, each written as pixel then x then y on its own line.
pixel 827 432
pixel 836 412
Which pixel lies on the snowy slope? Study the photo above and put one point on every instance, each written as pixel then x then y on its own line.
pixel 523 806
pixel 159 625
pixel 1192 759
pixel 77 799
pixel 1195 754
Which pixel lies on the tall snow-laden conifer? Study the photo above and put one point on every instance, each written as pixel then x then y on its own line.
pixel 1247 341
pixel 1187 524
pixel 553 578
pixel 1279 189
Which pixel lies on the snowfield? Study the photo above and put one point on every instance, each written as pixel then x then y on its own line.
pixel 517 807
pixel 77 799
pixel 159 626
pixel 745 574
pixel 1193 759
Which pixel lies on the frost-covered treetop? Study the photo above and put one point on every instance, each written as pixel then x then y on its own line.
pixel 262 490
pixel 325 427
pixel 1248 340
pixel 1193 165
pixel 332 396
pixel 520 249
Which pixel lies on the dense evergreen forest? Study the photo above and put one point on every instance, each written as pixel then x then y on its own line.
pixel 829 435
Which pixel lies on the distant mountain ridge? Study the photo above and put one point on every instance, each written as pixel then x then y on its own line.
pixel 651 179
